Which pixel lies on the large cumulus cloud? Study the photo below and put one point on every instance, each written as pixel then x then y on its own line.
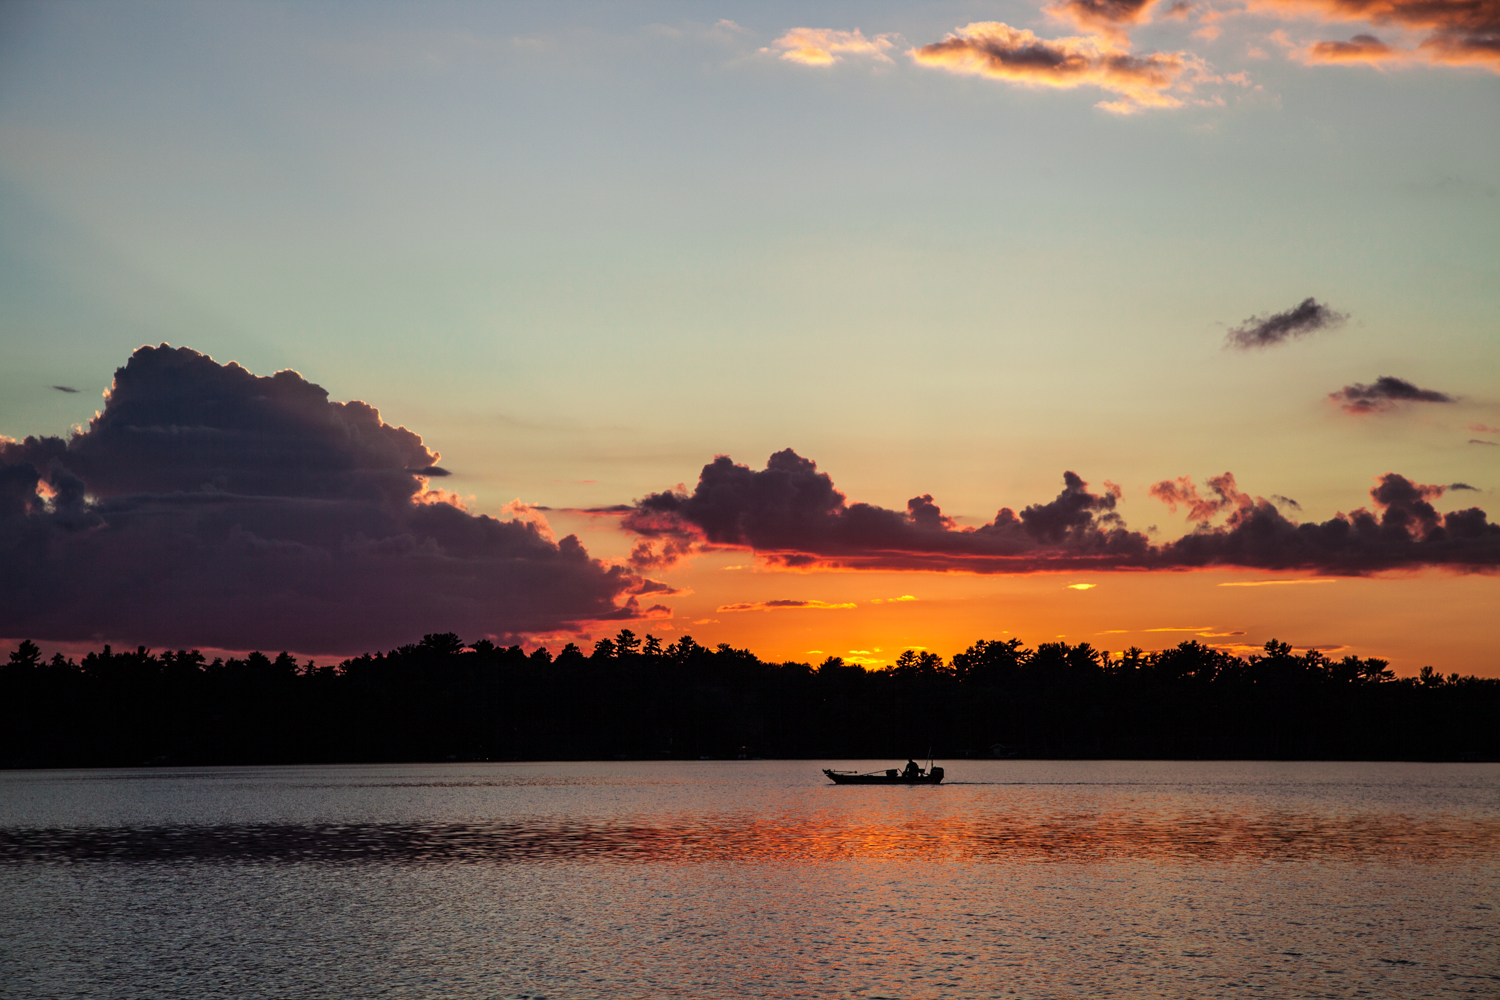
pixel 208 506
pixel 791 514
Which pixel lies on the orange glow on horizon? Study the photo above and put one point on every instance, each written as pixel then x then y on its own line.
pixel 1431 617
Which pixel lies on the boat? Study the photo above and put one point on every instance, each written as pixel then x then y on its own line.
pixel 910 775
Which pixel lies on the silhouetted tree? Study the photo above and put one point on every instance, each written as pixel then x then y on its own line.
pixel 626 644
pixel 440 699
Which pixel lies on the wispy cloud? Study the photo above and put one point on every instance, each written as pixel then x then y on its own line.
pixel 64 388
pixel 1267 329
pixel 892 600
pixel 998 51
pixel 1199 508
pixel 1384 394
pixel 1082 586
pixel 1275 583
pixel 1199 630
pixel 1100 54
pixel 826 46
pixel 786 605
pixel 1360 49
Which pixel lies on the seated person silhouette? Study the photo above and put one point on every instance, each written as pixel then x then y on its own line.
pixel 912 770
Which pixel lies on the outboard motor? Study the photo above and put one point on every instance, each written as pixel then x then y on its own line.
pixel 937 775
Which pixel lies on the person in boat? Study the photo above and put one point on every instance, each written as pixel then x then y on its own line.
pixel 912 770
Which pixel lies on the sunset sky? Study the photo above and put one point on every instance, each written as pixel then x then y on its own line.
pixel 946 251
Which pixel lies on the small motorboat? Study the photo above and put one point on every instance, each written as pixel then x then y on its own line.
pixel 910 775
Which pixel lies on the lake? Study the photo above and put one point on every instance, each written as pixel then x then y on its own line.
pixel 1045 879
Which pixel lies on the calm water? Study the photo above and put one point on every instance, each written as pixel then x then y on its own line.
pixel 752 878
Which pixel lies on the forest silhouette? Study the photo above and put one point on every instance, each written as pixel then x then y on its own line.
pixel 633 698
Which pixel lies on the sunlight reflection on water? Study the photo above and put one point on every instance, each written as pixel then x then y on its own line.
pixel 1085 837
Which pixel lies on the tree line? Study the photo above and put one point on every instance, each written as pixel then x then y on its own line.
pixel 635 698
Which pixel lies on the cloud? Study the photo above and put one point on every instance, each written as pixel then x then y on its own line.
pixel 792 514
pixel 1272 583
pixel 1407 532
pixel 1199 508
pixel 904 598
pixel 1267 329
pixel 1459 32
pixel 1463 486
pixel 206 506
pixel 1385 393
pixel 64 388
pixel 826 46
pixel 793 517
pixel 1478 441
pixel 1082 586
pixel 1359 49
pixel 1484 429
pixel 1015 55
pixel 1105 17
pixel 785 605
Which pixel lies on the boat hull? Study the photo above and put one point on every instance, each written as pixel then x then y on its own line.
pixel 934 777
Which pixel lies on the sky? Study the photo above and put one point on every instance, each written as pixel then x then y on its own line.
pixel 1081 258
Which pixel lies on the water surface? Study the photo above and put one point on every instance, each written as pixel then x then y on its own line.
pixel 725 879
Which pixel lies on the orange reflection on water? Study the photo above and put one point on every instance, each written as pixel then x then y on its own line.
pixel 792 839
pixel 1077 838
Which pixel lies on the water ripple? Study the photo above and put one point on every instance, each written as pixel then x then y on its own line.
pixel 791 839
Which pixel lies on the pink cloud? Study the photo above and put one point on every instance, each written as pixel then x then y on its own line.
pixel 1015 55
pixel 1460 32
pixel 826 46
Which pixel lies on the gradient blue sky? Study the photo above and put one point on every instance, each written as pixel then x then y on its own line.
pixel 583 248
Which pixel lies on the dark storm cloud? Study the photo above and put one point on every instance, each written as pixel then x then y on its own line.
pixel 791 514
pixel 63 388
pixel 1267 329
pixel 208 506
pixel 1385 393
pixel 1462 486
